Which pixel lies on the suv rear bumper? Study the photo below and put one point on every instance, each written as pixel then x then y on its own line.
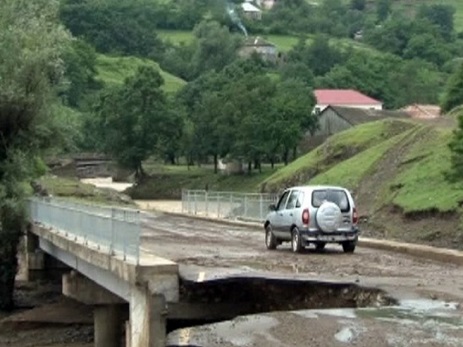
pixel 334 237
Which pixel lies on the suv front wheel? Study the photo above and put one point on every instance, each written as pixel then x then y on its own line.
pixel 296 242
pixel 270 240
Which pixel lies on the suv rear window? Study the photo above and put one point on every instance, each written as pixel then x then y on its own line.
pixel 339 197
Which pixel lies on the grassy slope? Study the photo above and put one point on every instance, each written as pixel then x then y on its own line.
pixel 422 181
pixel 339 147
pixel 114 70
pixel 360 165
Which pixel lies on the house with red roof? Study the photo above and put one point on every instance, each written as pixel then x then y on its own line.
pixel 344 98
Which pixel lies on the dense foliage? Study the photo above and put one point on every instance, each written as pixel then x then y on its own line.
pixel 30 46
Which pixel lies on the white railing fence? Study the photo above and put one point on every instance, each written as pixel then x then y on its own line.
pixel 110 229
pixel 227 205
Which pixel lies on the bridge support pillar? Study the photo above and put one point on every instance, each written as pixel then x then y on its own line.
pixel 148 313
pixel 34 260
pixel 108 326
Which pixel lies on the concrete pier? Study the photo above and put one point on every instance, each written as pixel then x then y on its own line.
pixel 108 326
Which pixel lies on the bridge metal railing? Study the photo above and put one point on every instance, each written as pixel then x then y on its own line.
pixel 227 205
pixel 110 229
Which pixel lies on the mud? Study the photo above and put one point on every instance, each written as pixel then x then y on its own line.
pixel 413 323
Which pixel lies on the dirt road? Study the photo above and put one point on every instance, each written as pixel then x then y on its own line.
pixel 208 246
pixel 430 294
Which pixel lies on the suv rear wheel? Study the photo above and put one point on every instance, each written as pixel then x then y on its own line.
pixel 349 246
pixel 296 242
pixel 270 240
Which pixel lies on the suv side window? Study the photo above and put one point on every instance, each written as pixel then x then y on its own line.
pixel 292 200
pixel 282 203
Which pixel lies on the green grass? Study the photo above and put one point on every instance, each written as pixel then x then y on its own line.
pixel 176 36
pixel 422 185
pixel 283 42
pixel 114 70
pixel 337 148
pixel 350 172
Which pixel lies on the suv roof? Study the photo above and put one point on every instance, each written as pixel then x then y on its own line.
pixel 314 187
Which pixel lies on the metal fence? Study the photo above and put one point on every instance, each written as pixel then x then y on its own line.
pixel 113 230
pixel 227 205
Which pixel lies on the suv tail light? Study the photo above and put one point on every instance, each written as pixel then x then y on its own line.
pixel 355 216
pixel 305 217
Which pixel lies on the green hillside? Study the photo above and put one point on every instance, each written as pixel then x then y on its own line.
pixel 113 71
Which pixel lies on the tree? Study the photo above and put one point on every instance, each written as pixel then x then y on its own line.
pixel 131 119
pixel 31 42
pixel 321 56
pixel 454 91
pixel 440 15
pixel 297 71
pixel 116 26
pixel 358 5
pixel 456 148
pixel 383 9
pixel 80 72
pixel 292 104
pixel 216 47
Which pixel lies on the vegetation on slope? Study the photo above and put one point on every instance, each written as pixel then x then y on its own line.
pixel 113 70
pixel 338 148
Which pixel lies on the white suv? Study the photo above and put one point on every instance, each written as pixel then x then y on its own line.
pixel 313 214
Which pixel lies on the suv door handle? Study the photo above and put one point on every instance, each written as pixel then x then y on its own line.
pixel 291 214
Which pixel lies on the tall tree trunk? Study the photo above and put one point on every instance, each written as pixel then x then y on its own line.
pixel 10 233
pixel 272 162
pixel 216 163
pixel 294 152
pixel 171 158
pixel 249 167
pixel 285 156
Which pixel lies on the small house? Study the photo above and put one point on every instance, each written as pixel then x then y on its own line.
pixel 344 98
pixel 265 49
pixel 251 11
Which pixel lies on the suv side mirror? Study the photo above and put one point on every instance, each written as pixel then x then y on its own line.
pixel 272 207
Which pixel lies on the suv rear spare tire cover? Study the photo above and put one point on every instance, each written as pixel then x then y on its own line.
pixel 329 217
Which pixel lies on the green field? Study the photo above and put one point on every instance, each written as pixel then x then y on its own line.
pixel 283 42
pixel 114 70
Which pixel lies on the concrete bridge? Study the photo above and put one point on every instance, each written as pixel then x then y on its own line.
pixel 98 251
